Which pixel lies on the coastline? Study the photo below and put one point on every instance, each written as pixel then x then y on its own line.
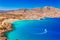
pixel 6 18
pixel 19 20
pixel 9 28
pixel 6 27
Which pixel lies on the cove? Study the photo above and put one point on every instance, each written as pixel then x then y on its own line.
pixel 46 29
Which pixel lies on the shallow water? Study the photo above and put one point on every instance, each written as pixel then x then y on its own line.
pixel 46 29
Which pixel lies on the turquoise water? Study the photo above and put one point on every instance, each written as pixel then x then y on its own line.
pixel 46 29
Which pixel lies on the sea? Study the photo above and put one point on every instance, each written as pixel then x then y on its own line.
pixel 44 29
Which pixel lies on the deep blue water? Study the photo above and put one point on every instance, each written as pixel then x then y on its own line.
pixel 46 29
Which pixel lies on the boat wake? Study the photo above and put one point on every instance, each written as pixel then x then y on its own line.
pixel 45 31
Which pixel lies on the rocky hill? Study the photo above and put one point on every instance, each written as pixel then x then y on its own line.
pixel 35 13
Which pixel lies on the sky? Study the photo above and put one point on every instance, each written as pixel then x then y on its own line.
pixel 18 4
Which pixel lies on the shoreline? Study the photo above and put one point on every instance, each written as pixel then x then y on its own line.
pixel 13 27
pixel 7 23
pixel 6 26
pixel 8 17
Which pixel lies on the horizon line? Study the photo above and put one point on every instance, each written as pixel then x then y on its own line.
pixel 8 9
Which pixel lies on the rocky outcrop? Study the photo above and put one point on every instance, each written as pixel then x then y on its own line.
pixel 4 28
pixel 3 38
